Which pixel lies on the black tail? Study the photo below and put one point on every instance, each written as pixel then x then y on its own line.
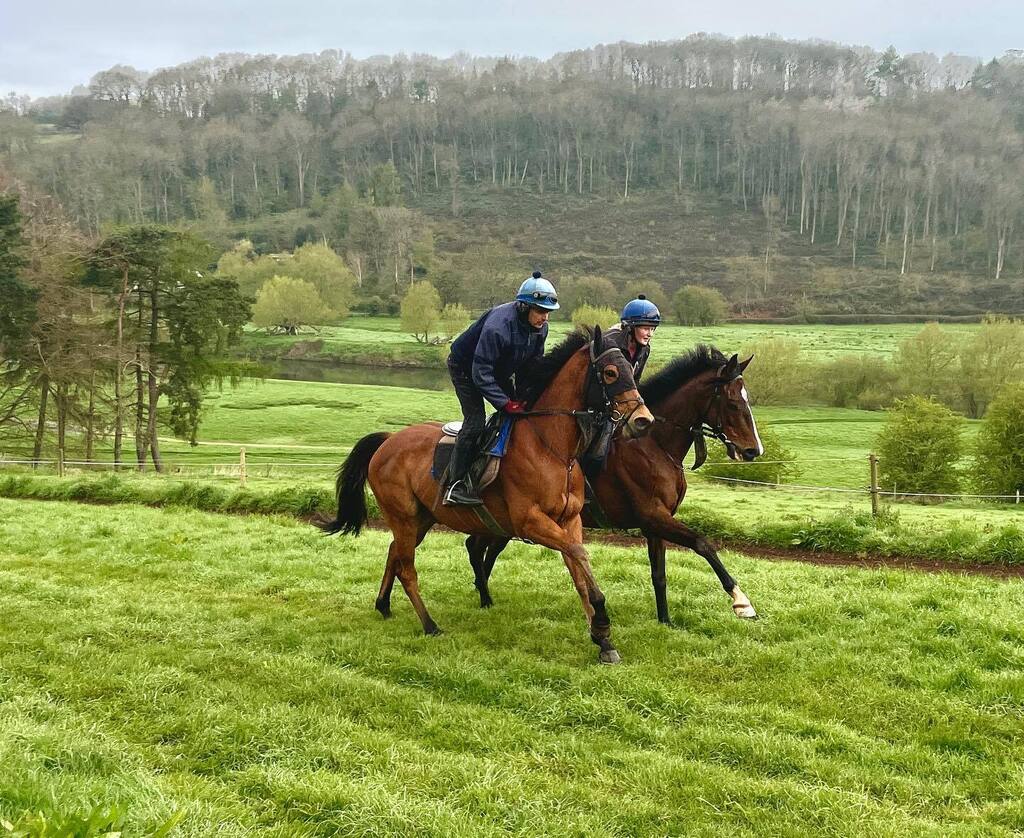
pixel 351 487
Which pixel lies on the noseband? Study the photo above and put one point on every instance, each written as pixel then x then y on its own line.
pixel 704 428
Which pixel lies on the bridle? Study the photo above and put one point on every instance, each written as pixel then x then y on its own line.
pixel 706 428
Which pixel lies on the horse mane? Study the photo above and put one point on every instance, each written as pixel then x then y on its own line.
pixel 701 358
pixel 534 380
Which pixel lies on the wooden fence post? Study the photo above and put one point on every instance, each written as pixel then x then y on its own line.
pixel 241 467
pixel 873 461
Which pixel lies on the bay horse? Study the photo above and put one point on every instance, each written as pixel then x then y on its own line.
pixel 538 493
pixel 643 482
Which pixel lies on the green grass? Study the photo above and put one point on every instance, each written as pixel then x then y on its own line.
pixel 831 447
pixel 233 670
pixel 381 341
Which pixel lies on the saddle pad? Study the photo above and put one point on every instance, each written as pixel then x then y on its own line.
pixel 452 428
pixel 496 449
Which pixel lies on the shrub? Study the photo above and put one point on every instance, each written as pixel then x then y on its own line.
pixel 779 463
pixel 919 447
pixel 777 374
pixel 454 318
pixel 594 291
pixel 589 316
pixel 999 451
pixel 856 381
pixel 698 306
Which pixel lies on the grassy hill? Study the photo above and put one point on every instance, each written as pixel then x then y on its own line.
pixel 699 238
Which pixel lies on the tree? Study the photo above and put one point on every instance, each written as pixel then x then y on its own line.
pixel 589 316
pixel 421 310
pixel 173 324
pixel 988 361
pixel 17 312
pixel 777 375
pixel 699 306
pixel 385 186
pixel 926 364
pixel 593 291
pixel 998 467
pixel 287 303
pixel 919 447
pixel 454 320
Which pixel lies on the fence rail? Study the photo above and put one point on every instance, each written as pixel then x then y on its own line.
pixel 245 467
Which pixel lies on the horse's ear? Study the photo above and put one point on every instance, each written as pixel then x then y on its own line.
pixel 743 364
pixel 595 344
pixel 729 370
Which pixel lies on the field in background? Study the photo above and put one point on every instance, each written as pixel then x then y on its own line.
pixel 381 340
pixel 296 434
pixel 233 670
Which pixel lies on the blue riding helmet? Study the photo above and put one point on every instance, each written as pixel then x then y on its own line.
pixel 537 291
pixel 640 312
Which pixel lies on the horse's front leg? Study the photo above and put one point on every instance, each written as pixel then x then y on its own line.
pixel 568 540
pixel 665 526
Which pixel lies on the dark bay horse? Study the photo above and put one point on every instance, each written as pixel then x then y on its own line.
pixel 538 493
pixel 643 481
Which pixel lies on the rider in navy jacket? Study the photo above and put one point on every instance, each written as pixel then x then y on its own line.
pixel 495 347
pixel 483 363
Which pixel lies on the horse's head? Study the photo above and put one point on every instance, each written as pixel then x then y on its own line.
pixel 728 411
pixel 611 387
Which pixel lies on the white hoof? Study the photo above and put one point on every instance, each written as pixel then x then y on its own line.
pixel 744 611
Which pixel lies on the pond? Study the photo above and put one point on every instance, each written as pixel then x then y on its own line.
pixel 418 378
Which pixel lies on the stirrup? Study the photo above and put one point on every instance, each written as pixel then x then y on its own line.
pixel 461 493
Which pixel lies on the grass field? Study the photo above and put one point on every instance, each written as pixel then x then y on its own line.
pixel 233 670
pixel 381 340
pixel 297 434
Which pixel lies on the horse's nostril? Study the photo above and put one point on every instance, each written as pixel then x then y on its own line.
pixel 750 453
pixel 641 423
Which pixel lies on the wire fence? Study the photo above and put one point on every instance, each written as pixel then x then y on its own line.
pixel 244 467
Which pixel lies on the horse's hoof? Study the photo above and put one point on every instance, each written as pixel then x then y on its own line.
pixel 609 656
pixel 433 631
pixel 744 612
pixel 383 609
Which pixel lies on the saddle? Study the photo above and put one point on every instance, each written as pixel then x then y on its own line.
pixel 494 442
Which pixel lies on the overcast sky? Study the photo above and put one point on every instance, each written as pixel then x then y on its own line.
pixel 49 46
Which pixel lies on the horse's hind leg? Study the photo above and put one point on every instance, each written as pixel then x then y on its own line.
pixel 383 603
pixel 483 552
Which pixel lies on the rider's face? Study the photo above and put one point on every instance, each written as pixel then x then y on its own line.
pixel 538 316
pixel 643 334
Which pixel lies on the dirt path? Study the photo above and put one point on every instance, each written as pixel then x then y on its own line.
pixel 778 554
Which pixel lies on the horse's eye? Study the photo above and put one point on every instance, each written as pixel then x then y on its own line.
pixel 610 374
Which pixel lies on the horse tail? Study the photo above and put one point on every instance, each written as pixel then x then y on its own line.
pixel 350 487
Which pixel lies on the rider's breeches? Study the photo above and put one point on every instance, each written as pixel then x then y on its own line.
pixel 473 422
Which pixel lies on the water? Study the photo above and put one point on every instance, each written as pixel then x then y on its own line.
pixel 420 379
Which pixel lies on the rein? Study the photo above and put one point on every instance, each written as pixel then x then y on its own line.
pixel 586 420
pixel 702 429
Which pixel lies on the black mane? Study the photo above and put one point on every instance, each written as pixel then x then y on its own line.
pixel 535 379
pixel 699 359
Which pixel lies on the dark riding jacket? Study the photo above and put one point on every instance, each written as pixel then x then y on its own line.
pixel 491 351
pixel 639 361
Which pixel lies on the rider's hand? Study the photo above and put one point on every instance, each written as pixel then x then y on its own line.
pixel 513 406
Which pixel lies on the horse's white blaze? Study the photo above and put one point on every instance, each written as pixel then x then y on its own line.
pixel 753 424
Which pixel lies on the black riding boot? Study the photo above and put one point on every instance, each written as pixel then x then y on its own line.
pixel 461 491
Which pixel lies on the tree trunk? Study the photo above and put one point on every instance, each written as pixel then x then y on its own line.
pixel 44 393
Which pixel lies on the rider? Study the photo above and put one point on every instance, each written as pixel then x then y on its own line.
pixel 637 323
pixel 483 360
